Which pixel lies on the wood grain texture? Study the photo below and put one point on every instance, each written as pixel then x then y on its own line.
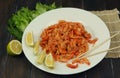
pixel 73 3
pixel 4 35
pixel 17 67
pixel 20 67
pixel 102 70
pixel 116 67
pixel 94 5
pixel 110 4
pixel 36 73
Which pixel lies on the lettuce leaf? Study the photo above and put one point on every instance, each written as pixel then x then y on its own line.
pixel 19 20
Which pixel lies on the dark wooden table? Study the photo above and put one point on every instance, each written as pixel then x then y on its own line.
pixel 20 67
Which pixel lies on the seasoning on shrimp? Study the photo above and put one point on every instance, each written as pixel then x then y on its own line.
pixel 66 40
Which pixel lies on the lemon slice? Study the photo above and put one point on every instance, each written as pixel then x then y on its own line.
pixel 41 57
pixel 29 39
pixel 14 47
pixel 49 61
pixel 36 47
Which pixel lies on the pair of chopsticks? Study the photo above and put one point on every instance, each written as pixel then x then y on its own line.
pixel 87 54
pixel 101 52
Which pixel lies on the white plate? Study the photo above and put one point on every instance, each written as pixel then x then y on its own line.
pixel 93 23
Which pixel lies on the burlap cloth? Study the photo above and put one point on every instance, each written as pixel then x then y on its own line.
pixel 111 19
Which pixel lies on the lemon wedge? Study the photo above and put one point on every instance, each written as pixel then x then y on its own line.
pixel 41 57
pixel 14 47
pixel 49 61
pixel 29 39
pixel 36 47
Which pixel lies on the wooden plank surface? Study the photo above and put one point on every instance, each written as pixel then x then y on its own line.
pixel 116 67
pixel 94 5
pixel 102 70
pixel 110 4
pixel 17 67
pixel 20 67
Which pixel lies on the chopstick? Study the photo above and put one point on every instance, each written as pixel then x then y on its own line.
pixel 86 56
pixel 97 46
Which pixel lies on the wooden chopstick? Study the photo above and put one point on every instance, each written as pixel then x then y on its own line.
pixel 86 56
pixel 97 46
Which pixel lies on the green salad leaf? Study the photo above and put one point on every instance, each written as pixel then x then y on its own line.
pixel 19 20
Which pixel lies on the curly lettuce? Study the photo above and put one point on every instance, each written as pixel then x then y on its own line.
pixel 19 20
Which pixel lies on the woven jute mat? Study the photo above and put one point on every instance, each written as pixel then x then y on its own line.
pixel 112 21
